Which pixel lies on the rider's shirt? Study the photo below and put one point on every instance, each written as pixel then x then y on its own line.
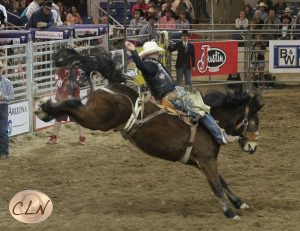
pixel 156 76
pixel 66 90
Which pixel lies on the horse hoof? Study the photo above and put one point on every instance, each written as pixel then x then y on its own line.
pixel 244 206
pixel 236 218
pixel 232 215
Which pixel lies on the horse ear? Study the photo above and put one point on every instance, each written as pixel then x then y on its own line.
pixel 258 102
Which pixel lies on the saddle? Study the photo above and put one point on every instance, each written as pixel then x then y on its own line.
pixel 165 106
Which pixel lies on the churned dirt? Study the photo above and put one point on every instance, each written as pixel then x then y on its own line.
pixel 110 185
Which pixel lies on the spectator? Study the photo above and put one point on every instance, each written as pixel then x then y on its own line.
pixel 6 94
pixel 257 58
pixel 3 16
pixel 167 22
pixel 287 14
pixel 56 15
pixel 182 23
pixel 242 22
pixel 42 18
pixel 248 12
pixel 66 90
pixel 185 59
pixel 73 17
pixel 187 6
pixel 268 4
pixel 279 8
pixel 257 23
pixel 297 27
pixel 285 28
pixel 262 7
pixel 32 7
pixel 140 5
pixel 138 21
pixel 168 4
pixel 271 26
pixel 62 11
pixel 152 11
pixel 149 32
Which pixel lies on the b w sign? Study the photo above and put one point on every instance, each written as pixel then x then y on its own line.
pixel 284 56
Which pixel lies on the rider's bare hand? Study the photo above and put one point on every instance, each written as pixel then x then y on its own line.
pixel 130 46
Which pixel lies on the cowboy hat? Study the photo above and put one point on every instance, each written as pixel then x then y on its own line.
pixel 287 10
pixel 262 4
pixel 48 4
pixel 1 64
pixel 185 33
pixel 150 48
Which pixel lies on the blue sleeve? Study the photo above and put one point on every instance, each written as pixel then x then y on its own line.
pixel 146 68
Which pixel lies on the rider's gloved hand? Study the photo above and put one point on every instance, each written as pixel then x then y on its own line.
pixel 59 83
pixel 144 88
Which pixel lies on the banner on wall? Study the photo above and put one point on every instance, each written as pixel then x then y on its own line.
pixel 284 56
pixel 216 58
pixel 18 118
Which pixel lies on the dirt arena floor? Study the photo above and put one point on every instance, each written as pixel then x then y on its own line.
pixel 111 185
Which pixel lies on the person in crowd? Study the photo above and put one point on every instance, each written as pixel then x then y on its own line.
pixel 271 26
pixel 140 5
pixel 185 59
pixel 3 16
pixel 297 27
pixel 285 28
pixel 262 7
pixel 242 22
pixel 257 23
pixel 167 21
pixel 268 4
pixel 182 23
pixel 73 17
pixel 17 6
pixel 62 11
pixel 287 14
pixel 153 10
pixel 161 86
pixel 248 12
pixel 279 8
pixel 66 90
pixel 6 95
pixel 168 4
pixel 187 6
pixel 138 21
pixel 56 15
pixel 32 7
pixel 42 18
pixel 257 57
pixel 148 31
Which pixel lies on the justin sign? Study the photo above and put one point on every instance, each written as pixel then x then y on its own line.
pixel 216 58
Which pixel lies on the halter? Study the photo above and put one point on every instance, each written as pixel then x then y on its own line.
pixel 244 123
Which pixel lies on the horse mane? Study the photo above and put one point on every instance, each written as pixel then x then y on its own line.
pixel 97 59
pixel 226 99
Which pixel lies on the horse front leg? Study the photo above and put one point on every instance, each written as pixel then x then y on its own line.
pixel 236 201
pixel 209 167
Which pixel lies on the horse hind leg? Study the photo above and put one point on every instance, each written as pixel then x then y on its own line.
pixel 209 167
pixel 236 201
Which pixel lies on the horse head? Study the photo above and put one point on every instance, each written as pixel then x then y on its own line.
pixel 237 113
pixel 248 127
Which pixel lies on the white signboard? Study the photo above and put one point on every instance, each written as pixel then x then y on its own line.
pixel 18 118
pixel 284 56
pixel 49 34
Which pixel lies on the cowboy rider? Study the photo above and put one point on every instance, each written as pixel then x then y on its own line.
pixel 161 85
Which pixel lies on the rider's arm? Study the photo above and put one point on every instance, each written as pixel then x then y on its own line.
pixel 145 67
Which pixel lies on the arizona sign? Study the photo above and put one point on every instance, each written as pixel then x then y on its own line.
pixel 216 58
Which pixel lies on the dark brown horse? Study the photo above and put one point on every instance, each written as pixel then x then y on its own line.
pixel 165 136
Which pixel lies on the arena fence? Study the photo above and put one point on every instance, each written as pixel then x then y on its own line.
pixel 31 70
